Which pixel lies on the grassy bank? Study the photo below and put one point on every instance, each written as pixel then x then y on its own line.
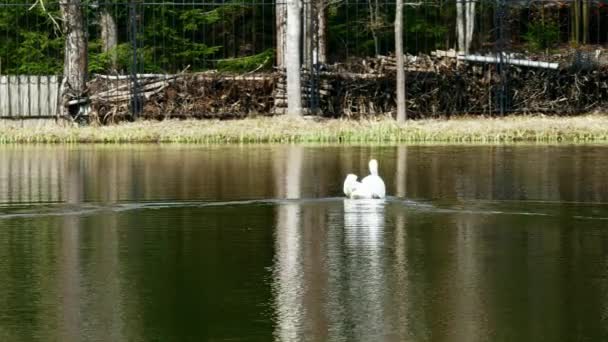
pixel 590 128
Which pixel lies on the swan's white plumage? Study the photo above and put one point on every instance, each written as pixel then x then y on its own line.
pixel 373 182
pixel 354 189
pixel 371 186
pixel 350 184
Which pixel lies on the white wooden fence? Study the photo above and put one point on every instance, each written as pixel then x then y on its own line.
pixel 28 96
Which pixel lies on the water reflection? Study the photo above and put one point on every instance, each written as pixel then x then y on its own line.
pixel 365 268
pixel 364 222
pixel 479 262
pixel 288 269
pixel 30 174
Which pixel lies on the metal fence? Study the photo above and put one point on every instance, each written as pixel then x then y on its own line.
pixel 510 56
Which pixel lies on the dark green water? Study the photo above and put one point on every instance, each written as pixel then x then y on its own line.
pixel 182 243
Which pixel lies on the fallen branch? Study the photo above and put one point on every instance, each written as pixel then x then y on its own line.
pixel 508 60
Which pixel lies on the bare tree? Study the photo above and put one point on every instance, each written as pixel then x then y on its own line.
pixel 460 25
pixel 281 16
pixel 470 23
pixel 401 115
pixel 75 61
pixel 375 23
pixel 307 34
pixel 320 48
pixel 313 33
pixel 292 57
pixel 576 23
pixel 109 34
pixel 585 21
pixel 465 24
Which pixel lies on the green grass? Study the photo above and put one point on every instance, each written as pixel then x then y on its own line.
pixel 589 128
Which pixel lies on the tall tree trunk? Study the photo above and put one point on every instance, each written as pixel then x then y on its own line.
pixel 576 24
pixel 374 23
pixel 307 34
pixel 281 16
pixel 109 35
pixel 460 26
pixel 465 24
pixel 292 58
pixel 75 62
pixel 469 24
pixel 585 21
pixel 401 115
pixel 320 48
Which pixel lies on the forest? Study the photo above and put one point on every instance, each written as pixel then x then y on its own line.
pixel 241 35
pixel 120 37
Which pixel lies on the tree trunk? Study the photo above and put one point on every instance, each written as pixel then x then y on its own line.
pixel 576 24
pixel 292 58
pixel 469 24
pixel 75 61
pixel 401 115
pixel 374 18
pixel 281 16
pixel 460 26
pixel 307 34
pixel 109 35
pixel 585 21
pixel 320 49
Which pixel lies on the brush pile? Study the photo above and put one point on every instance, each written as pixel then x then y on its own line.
pixel 436 85
pixel 442 85
pixel 195 95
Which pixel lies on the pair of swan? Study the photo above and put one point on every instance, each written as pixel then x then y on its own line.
pixel 371 186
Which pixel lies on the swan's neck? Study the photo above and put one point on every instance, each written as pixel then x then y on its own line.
pixel 373 167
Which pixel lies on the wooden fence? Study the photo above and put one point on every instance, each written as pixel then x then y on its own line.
pixel 27 96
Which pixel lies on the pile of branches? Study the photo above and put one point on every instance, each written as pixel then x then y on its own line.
pixel 443 86
pixel 193 95
pixel 436 85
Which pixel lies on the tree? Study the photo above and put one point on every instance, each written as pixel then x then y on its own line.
pixel 575 10
pixel 460 26
pixel 375 23
pixel 281 16
pixel 75 58
pixel 470 23
pixel 320 49
pixel 314 35
pixel 292 58
pixel 585 21
pixel 401 115
pixel 109 35
pixel 465 24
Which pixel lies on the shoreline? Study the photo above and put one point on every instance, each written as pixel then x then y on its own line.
pixel 471 129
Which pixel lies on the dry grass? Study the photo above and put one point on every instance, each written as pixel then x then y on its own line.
pixel 589 128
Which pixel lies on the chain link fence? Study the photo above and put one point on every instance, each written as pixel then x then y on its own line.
pixel 222 59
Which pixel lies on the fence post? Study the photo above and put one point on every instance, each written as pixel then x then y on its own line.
pixel 135 96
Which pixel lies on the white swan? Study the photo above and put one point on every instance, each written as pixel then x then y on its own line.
pixel 373 182
pixel 354 189
pixel 350 184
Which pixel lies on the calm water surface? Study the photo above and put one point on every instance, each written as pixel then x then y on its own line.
pixel 255 243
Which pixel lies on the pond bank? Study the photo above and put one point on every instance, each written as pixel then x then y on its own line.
pixel 588 128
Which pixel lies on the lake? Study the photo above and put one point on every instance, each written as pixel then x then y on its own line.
pixel 257 243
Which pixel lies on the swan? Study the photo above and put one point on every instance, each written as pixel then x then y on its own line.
pixel 356 190
pixel 373 182
pixel 350 184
